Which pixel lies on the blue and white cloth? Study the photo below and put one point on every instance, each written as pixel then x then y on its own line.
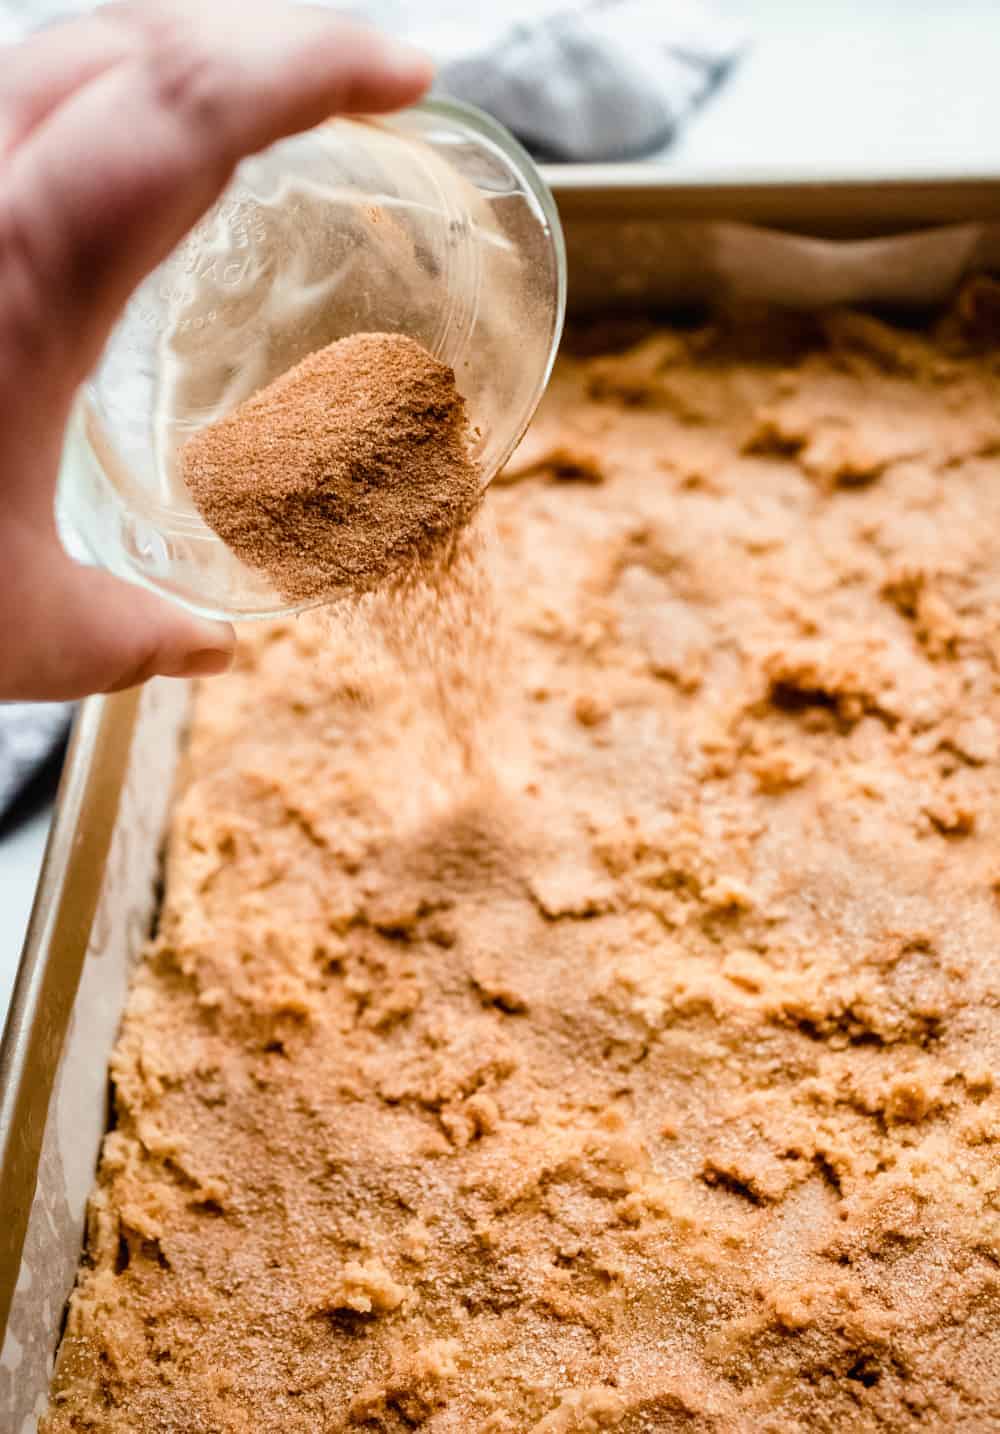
pixel 31 736
pixel 576 80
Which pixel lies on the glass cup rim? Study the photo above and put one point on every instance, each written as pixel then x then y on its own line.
pixel 472 117
pixel 477 124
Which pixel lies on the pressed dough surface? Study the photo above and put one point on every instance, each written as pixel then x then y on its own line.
pixel 648 1083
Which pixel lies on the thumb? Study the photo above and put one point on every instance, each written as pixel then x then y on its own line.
pixel 79 631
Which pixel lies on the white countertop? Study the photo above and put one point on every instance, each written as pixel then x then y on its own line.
pixel 904 87
pixel 873 87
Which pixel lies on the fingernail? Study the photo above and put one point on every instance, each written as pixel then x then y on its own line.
pixel 206 662
pixel 406 59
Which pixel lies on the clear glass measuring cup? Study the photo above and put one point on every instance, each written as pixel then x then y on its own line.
pixel 433 222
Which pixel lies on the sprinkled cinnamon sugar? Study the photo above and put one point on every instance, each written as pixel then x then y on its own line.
pixel 648 1081
pixel 349 470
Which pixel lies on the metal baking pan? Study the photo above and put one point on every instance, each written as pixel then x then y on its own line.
pixel 634 239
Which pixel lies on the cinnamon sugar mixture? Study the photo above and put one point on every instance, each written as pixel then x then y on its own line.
pixel 351 467
pixel 649 1082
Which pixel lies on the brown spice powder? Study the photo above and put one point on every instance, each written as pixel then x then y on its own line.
pixel 349 470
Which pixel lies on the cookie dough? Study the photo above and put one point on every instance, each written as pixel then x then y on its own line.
pixel 645 1080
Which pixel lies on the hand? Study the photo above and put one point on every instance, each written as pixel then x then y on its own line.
pixel 116 133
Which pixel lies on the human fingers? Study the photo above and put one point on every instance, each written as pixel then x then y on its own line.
pixel 39 73
pixel 73 630
pixel 118 172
